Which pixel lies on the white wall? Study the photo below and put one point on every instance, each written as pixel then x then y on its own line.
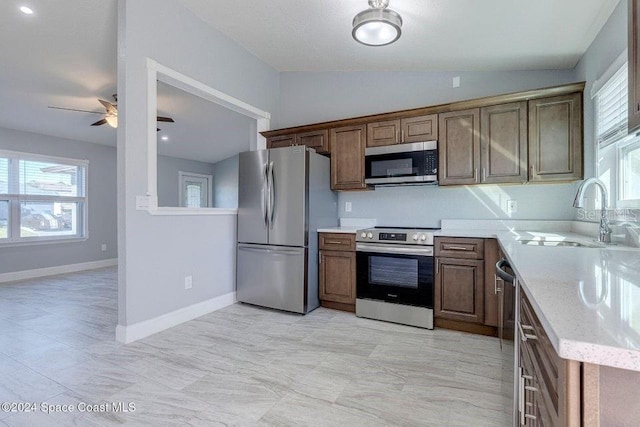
pixel 168 177
pixel 225 182
pixel 156 252
pixel 101 199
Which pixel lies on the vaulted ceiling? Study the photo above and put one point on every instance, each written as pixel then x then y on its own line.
pixel 65 53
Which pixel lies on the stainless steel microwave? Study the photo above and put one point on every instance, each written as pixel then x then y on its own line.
pixel 415 163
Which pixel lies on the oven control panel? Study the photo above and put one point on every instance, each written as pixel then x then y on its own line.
pixel 394 236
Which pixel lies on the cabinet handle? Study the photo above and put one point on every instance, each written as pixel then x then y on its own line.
pixel 533 170
pixel 484 174
pixel 475 174
pixel 496 289
pixel 638 107
pixel 334 242
pixel 437 265
pixel 524 336
pixel 458 248
pixel 402 133
pixel 521 396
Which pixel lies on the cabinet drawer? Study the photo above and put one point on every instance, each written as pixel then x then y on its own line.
pixel 459 248
pixel 337 242
pixel 546 362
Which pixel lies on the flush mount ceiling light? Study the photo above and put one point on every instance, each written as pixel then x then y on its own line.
pixel 377 26
pixel 26 10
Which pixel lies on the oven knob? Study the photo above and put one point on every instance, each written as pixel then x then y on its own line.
pixel 363 234
pixel 415 237
pixel 423 237
pixel 370 235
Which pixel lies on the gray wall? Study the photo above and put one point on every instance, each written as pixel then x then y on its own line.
pixel 156 252
pixel 101 199
pixel 310 97
pixel 319 96
pixel 605 49
pixel 168 178
pixel 225 182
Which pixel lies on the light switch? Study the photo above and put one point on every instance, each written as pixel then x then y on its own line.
pixel 512 206
pixel 347 206
pixel 456 81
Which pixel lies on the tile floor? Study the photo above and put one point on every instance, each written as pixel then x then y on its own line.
pixel 238 366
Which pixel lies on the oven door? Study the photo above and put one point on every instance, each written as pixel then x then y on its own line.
pixel 395 273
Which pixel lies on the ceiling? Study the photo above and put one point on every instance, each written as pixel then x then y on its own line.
pixel 313 35
pixel 65 54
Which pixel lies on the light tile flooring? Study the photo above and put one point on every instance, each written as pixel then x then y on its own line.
pixel 238 366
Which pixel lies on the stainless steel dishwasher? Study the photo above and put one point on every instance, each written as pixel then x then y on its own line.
pixel 506 288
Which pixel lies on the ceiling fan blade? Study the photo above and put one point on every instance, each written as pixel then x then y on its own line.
pixel 111 108
pixel 115 97
pixel 99 122
pixel 74 109
pixel 166 119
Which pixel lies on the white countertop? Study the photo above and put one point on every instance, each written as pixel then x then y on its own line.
pixel 346 229
pixel 588 299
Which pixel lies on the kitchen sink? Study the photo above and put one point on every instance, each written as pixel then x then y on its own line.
pixel 560 243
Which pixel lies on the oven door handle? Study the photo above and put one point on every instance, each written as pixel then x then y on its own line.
pixel 389 249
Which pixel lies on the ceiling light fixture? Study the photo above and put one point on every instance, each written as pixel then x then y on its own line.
pixel 377 26
pixel 164 138
pixel 112 121
pixel 26 10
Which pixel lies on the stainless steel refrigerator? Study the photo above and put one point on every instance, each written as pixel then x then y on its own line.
pixel 284 196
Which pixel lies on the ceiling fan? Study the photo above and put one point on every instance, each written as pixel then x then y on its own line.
pixel 110 113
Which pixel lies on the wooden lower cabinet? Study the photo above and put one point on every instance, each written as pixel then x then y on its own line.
pixel 337 271
pixel 459 290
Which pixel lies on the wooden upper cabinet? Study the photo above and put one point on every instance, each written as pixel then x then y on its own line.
pixel 383 133
pixel 318 140
pixel 419 129
pixel 459 147
pixel 402 131
pixel 347 157
pixel 555 138
pixel 503 143
pixel 281 141
pixel 634 65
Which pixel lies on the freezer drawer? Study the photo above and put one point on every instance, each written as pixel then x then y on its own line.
pixel 273 276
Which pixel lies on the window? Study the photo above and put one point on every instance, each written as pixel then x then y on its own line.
pixel 618 153
pixel 41 198
pixel 195 190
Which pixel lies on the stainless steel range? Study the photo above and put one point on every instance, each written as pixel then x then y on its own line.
pixel 395 275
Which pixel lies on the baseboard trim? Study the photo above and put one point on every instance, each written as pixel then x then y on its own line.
pixel 59 269
pixel 131 333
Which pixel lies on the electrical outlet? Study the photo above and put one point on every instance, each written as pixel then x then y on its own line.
pixel 347 206
pixel 104 247
pixel 512 206
pixel 456 81
pixel 188 282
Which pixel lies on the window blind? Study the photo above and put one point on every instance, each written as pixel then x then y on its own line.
pixel 611 109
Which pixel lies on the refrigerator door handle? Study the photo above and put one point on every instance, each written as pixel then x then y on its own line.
pixel 265 194
pixel 272 195
pixel 269 251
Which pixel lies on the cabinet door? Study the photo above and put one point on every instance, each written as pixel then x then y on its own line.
pixel 338 276
pixel 634 65
pixel 347 157
pixel 281 141
pixel 419 129
pixel 318 140
pixel 555 138
pixel 459 290
pixel 383 133
pixel 459 147
pixel 503 143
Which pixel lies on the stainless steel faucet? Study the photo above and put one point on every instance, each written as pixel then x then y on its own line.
pixel 605 229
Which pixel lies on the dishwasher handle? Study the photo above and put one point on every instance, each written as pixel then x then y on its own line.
pixel 500 265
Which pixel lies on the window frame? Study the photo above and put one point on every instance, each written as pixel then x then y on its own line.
pixel 616 146
pixel 15 199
